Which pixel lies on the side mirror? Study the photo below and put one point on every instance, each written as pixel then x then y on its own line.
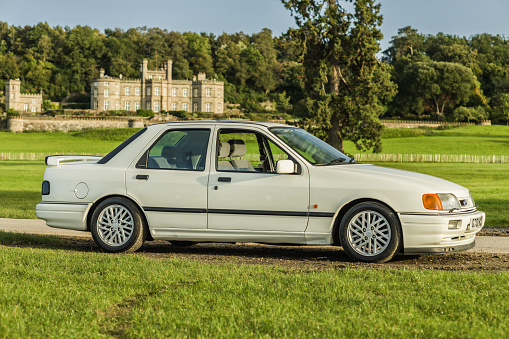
pixel 285 167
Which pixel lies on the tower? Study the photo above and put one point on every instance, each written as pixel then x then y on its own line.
pixel 12 94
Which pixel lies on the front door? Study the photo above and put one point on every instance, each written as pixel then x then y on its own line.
pixel 245 192
pixel 170 180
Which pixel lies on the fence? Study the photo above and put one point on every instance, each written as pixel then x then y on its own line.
pixel 439 158
pixel 442 158
pixel 35 156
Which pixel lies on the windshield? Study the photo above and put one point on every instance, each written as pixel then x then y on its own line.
pixel 310 147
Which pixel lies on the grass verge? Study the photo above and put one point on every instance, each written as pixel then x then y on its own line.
pixel 69 293
pixel 489 183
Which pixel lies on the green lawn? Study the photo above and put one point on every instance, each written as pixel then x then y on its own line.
pixel 57 142
pixel 473 140
pixel 20 186
pixel 64 292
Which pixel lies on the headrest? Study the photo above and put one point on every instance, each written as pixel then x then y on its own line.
pixel 169 152
pixel 224 150
pixel 237 148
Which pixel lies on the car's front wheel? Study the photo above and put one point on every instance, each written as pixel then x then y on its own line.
pixel 117 226
pixel 370 232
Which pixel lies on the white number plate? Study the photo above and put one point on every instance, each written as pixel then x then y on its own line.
pixel 476 222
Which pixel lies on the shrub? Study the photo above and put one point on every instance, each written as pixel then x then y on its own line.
pixel 145 113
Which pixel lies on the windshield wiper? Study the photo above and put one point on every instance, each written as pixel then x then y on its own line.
pixel 333 162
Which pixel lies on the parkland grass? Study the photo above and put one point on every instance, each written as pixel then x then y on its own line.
pixel 472 140
pixel 46 292
pixel 20 183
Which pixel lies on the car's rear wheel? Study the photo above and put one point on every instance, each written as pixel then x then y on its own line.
pixel 370 232
pixel 117 226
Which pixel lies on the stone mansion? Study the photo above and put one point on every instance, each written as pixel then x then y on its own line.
pixel 156 90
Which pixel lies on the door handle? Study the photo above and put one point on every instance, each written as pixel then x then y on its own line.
pixel 224 179
pixel 142 177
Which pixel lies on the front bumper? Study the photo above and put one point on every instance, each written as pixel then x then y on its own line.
pixel 64 215
pixel 440 233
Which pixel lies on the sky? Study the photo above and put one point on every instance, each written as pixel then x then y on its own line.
pixel 457 17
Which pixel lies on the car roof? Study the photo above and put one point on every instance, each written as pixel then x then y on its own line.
pixel 233 122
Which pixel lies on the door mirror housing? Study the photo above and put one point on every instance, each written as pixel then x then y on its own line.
pixel 285 167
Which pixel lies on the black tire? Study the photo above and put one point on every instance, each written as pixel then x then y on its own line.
pixel 117 226
pixel 370 232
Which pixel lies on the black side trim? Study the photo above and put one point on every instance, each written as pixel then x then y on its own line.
pixel 62 203
pixel 241 212
pixel 321 214
pixel 175 210
pixel 120 147
pixel 258 212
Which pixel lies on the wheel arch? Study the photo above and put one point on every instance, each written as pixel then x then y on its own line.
pixel 100 200
pixel 342 211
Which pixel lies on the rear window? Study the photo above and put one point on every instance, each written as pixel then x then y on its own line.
pixel 120 147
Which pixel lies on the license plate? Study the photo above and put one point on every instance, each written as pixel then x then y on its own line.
pixel 476 222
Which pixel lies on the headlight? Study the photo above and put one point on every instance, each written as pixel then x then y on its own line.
pixel 440 201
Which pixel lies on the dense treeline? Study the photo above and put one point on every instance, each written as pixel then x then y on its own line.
pixel 438 77
pixel 449 77
pixel 61 61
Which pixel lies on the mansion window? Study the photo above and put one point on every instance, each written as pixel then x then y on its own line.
pixel 137 106
pixel 173 92
pixel 184 106
pixel 164 91
pixel 184 92
pixel 106 105
pixel 127 106
pixel 208 92
pixel 156 106
pixel 207 107
pixel 34 101
pixel 25 107
pixel 116 94
pixel 106 83
pixel 219 93
pixel 96 104
pixel 174 106
pixel 106 92
pixel 34 109
pixel 156 90
pixel 148 106
pixel 95 92
pixel 195 107
pixel 136 91
pixel 149 90
pixel 127 91
pixel 195 93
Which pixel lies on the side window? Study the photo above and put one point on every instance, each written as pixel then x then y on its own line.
pixel 179 150
pixel 246 151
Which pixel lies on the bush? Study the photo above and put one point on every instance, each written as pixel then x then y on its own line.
pixel 145 113
pixel 468 114
pixel 12 113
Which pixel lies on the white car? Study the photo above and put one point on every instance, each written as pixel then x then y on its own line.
pixel 231 181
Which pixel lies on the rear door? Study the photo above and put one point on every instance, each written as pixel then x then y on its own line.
pixel 170 180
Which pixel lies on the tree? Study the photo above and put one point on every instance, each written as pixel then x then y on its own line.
pixel 435 87
pixel 407 42
pixel 346 83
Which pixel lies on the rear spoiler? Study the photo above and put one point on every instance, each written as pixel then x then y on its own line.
pixel 55 160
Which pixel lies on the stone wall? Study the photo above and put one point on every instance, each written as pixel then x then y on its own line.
pixel 18 125
pixel 3 123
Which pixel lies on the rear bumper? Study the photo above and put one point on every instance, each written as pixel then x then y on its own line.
pixel 440 233
pixel 64 215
